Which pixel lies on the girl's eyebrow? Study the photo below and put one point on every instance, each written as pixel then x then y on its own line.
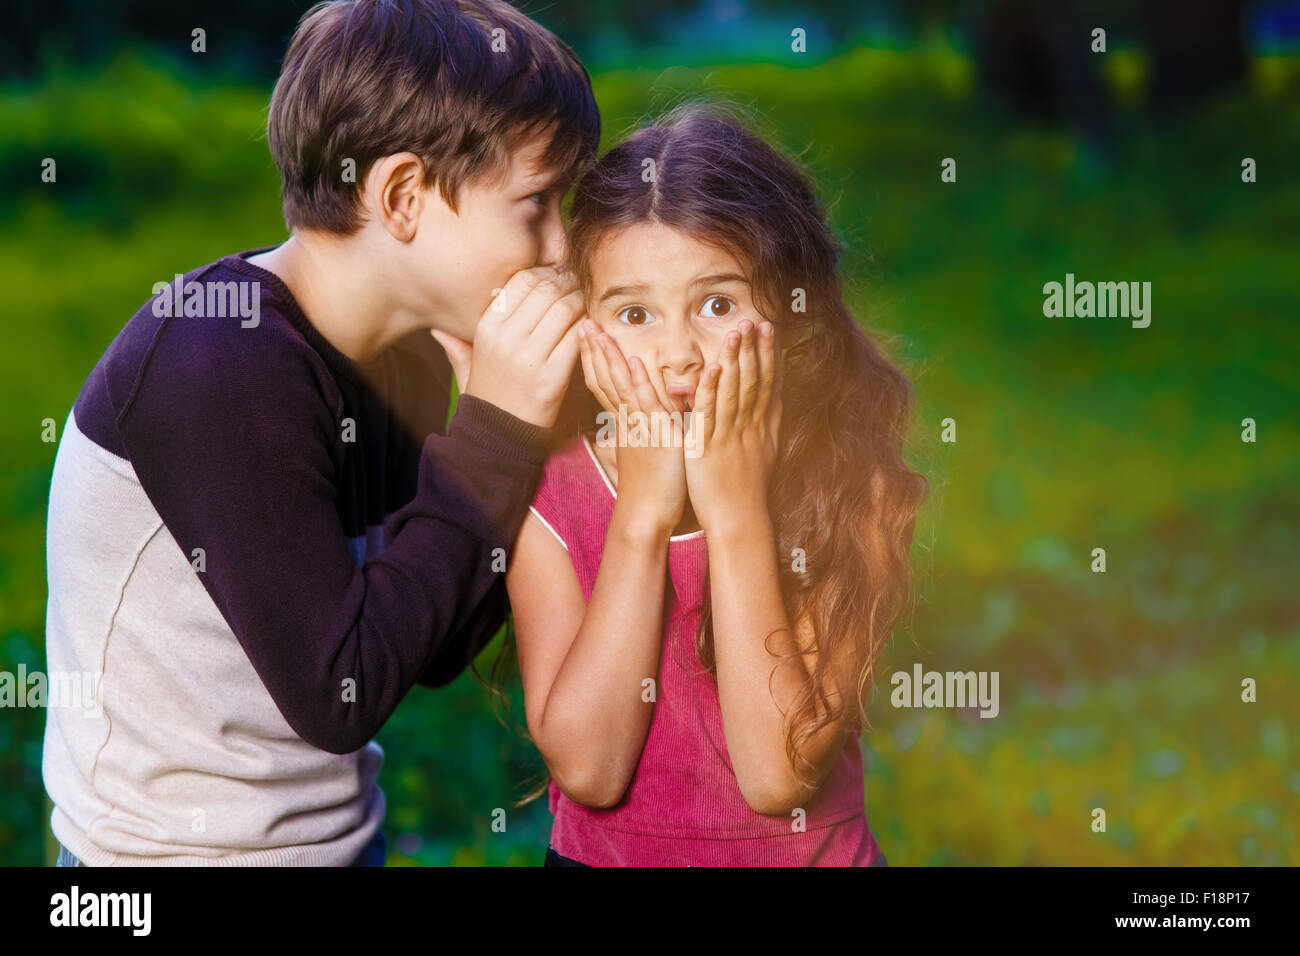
pixel 617 290
pixel 720 277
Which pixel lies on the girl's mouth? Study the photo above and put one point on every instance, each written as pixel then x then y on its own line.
pixel 682 396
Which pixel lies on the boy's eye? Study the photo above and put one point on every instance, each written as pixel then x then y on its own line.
pixel 634 315
pixel 539 198
pixel 718 307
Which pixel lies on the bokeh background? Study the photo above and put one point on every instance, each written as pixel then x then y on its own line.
pixel 1119 690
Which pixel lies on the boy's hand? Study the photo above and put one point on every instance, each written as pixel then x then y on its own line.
pixel 524 347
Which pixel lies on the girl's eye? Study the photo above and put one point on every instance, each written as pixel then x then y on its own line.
pixel 539 198
pixel 634 315
pixel 718 306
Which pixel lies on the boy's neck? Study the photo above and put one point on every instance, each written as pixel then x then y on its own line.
pixel 346 297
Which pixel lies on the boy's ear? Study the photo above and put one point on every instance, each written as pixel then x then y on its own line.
pixel 395 194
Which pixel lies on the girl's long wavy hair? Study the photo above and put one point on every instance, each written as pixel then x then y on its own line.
pixel 841 494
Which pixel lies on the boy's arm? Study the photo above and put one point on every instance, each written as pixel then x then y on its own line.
pixel 461 651
pixel 237 448
pixel 422 409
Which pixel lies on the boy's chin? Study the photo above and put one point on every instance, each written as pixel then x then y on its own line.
pixel 455 325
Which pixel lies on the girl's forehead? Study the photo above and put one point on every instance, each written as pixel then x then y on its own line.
pixel 652 254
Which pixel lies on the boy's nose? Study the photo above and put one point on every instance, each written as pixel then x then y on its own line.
pixel 555 243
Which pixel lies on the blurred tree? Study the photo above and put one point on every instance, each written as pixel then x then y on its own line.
pixel 1197 48
pixel 243 36
pixel 1037 58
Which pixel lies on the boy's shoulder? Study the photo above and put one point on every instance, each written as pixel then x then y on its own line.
pixel 206 338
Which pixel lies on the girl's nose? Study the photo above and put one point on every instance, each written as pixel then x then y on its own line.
pixel 680 352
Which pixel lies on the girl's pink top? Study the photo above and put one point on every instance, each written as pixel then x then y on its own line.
pixel 684 806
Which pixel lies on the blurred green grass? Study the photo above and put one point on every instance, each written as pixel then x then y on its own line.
pixel 1119 690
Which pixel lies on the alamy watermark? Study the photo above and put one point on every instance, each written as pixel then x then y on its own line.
pixel 951 689
pixel 655 429
pixel 130 910
pixel 1123 300
pixel 80 689
pixel 209 300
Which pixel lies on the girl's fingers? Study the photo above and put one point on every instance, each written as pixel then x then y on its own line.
pixel 616 367
pixel 774 420
pixel 593 380
pixel 604 373
pixel 704 409
pixel 728 389
pixel 766 368
pixel 644 393
pixel 747 360
pixel 601 366
pixel 664 428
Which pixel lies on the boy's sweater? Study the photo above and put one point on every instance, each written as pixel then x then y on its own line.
pixel 261 547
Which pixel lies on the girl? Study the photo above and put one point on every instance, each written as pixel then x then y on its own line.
pixel 697 618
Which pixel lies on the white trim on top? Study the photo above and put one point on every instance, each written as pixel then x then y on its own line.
pixel 538 514
pixel 591 453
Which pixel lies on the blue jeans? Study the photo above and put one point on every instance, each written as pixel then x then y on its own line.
pixel 555 859
pixel 373 853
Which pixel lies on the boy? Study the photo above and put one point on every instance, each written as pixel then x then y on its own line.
pixel 259 538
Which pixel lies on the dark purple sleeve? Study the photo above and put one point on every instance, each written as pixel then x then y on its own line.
pixel 235 444
pixel 477 633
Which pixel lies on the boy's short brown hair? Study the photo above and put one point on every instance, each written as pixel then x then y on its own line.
pixel 457 82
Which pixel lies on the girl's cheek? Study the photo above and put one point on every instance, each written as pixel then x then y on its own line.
pixel 627 344
pixel 713 341
pixel 715 330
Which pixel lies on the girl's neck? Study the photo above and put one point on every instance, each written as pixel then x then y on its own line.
pixel 607 456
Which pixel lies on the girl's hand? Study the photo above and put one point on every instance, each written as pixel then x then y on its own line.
pixel 734 428
pixel 651 480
